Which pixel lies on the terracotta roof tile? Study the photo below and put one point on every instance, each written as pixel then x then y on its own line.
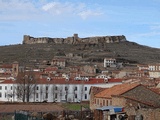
pixel 6 66
pixel 157 90
pixel 116 90
pixel 51 69
pixel 60 80
pixel 7 82
pixel 72 81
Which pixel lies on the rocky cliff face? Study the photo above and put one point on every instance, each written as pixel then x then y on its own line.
pixel 74 40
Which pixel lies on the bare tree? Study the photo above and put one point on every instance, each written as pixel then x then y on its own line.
pixel 74 93
pixel 26 83
pixel 41 92
pixel 54 92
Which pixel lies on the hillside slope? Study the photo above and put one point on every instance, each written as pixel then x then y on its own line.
pixel 80 53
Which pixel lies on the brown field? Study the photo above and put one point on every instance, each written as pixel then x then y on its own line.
pixel 39 107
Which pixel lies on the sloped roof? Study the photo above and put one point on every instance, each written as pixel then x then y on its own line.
pixel 7 82
pixel 51 69
pixel 96 90
pixel 157 90
pixel 70 81
pixel 149 103
pixel 61 80
pixel 116 90
pixel 6 66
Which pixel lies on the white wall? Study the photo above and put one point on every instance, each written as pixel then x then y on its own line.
pixel 39 95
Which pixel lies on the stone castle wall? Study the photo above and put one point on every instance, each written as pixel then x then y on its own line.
pixel 74 40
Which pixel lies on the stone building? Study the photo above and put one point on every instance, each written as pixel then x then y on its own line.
pixel 59 62
pixel 135 98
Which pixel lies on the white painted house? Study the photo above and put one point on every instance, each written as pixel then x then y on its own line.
pixel 108 62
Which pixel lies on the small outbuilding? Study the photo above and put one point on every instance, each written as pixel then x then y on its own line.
pixel 110 113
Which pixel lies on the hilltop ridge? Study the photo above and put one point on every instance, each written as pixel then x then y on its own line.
pixel 74 40
pixel 80 53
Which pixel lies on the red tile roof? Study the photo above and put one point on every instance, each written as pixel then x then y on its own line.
pixel 114 80
pixel 72 81
pixel 64 81
pixel 7 82
pixel 6 66
pixel 116 90
pixel 157 90
pixel 51 69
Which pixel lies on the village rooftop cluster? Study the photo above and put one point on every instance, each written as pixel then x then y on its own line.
pixel 110 83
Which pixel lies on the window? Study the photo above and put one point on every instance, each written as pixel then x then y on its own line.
pixel 46 88
pixel 66 88
pixel 75 95
pixel 97 101
pixel 75 88
pixel 56 96
pixel 37 88
pixel 36 95
pixel 104 102
pixel 11 87
pixel 107 103
pixel 85 88
pixel 0 87
pixel 5 87
pixel 111 102
pixel 0 94
pixel 56 88
pixel 85 96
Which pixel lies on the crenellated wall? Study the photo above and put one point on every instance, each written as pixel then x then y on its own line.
pixel 74 40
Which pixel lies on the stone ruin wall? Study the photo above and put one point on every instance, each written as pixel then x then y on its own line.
pixel 74 40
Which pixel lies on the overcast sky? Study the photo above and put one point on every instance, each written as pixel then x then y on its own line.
pixel 138 20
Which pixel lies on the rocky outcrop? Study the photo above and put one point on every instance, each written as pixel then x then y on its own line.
pixel 74 40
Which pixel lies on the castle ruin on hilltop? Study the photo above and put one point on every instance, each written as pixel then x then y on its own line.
pixel 74 40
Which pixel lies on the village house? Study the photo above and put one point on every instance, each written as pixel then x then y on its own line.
pixel 93 91
pixel 109 62
pixel 51 70
pixel 9 70
pixel 154 70
pixel 59 62
pixel 143 67
pixel 132 97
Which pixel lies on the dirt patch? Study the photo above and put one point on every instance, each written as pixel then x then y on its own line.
pixel 10 108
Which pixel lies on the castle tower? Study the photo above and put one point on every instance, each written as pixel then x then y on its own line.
pixel 26 39
pixel 75 36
